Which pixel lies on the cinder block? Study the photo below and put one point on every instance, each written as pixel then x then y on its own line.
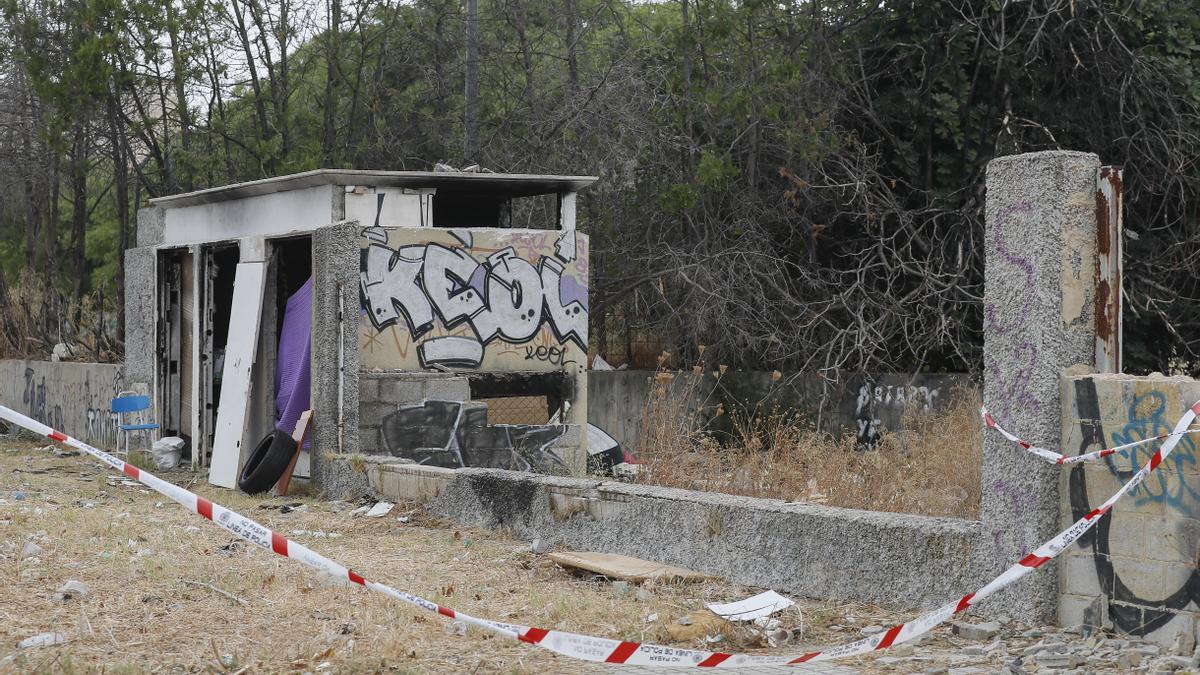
pixel 1082 610
pixel 371 415
pixel 399 391
pixel 448 389
pixel 368 389
pixel 1079 575
pixel 1184 622
pixel 369 440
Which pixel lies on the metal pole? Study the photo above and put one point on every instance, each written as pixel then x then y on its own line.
pixel 1110 227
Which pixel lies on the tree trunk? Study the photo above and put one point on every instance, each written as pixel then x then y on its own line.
pixel 471 88
pixel 121 183
pixel 79 217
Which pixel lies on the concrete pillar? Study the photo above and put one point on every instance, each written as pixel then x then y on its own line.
pixel 141 299
pixel 335 363
pixel 1039 318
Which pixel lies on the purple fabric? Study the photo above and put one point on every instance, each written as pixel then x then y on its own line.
pixel 292 370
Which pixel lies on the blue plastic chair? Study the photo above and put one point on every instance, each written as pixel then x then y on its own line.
pixel 135 406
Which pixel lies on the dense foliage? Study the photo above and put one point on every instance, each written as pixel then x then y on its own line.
pixel 795 185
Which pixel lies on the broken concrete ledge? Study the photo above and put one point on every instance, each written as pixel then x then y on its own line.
pixel 805 549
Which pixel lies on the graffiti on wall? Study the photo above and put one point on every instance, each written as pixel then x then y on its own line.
pixel 876 401
pixel 80 409
pixel 454 297
pixel 456 434
pixel 1013 389
pixel 1147 416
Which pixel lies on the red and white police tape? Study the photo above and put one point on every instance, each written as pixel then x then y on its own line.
pixel 1061 459
pixel 604 650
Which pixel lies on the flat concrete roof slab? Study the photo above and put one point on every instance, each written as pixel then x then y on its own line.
pixel 500 185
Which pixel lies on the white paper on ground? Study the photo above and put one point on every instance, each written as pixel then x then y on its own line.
pixel 758 606
pixel 380 510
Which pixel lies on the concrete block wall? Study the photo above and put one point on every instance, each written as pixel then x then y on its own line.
pixel 1136 570
pixel 75 398
pixel 382 392
pixel 858 403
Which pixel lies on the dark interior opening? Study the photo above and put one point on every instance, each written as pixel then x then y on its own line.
pixel 223 269
pixel 552 387
pixel 293 266
pixel 466 209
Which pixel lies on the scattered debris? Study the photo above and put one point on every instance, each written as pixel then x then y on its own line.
pixel 980 632
pixel 754 607
pixel 42 640
pixel 348 628
pixel 540 546
pixel 31 550
pixel 620 587
pixel 699 625
pixel 380 510
pixel 456 628
pixel 232 547
pixel 316 534
pixel 72 590
pixel 624 567
pixel 218 591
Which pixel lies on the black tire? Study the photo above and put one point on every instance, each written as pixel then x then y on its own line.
pixel 267 463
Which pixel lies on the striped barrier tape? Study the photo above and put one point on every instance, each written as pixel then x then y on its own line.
pixel 1065 460
pixel 604 650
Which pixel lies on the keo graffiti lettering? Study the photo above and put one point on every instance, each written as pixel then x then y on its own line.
pixel 552 355
pixel 501 297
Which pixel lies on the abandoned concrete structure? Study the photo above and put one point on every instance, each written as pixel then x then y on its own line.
pixel 428 305
pixel 429 295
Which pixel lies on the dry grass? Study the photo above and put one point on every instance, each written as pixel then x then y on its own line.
pixel 33 319
pixel 149 564
pixel 931 466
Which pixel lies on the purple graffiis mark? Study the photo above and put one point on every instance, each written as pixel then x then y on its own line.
pixel 570 290
pixel 478 280
pixel 1030 277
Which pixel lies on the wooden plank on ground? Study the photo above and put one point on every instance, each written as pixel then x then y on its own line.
pixel 623 567
pixel 235 379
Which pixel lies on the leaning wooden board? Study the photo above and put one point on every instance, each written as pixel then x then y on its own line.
pixel 624 567
pixel 235 378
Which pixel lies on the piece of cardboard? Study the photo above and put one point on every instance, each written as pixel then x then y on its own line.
pixel 624 567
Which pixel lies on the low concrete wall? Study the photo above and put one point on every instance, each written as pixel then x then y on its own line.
pixel 808 550
pixel 862 404
pixel 74 398
pixel 1136 571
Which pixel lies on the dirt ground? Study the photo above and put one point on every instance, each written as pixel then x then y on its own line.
pixel 169 591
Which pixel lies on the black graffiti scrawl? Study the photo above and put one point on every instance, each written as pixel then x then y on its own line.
pixel 1129 612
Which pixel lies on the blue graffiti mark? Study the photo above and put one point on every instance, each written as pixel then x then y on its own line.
pixel 1146 420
